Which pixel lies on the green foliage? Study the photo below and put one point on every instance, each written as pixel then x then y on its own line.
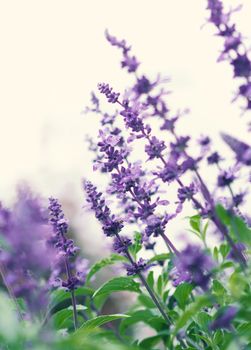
pixel 118 284
pixel 111 260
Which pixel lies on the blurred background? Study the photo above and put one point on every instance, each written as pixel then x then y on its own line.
pixel 53 53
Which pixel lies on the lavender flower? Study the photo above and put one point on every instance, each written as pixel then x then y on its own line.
pixel 136 267
pixel 105 89
pixel 186 193
pixel 121 244
pixel 225 178
pixel 241 149
pixel 213 158
pixel 65 246
pixel 233 42
pixel 224 320
pixel 111 225
pixel 193 265
pixel 24 266
pixel 154 148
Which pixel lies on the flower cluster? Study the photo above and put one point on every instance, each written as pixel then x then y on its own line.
pixel 66 250
pixel 234 49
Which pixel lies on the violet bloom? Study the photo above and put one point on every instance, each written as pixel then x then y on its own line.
pixel 232 43
pixel 25 230
pixel 186 193
pixel 155 148
pixel 111 225
pixel 225 178
pixel 111 96
pixel 241 149
pixel 121 244
pixel 224 321
pixel 194 265
pixel 137 267
pixel 128 61
pixel 64 246
pixel 213 158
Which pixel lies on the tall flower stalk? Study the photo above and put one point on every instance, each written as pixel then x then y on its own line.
pixel 111 228
pixel 66 250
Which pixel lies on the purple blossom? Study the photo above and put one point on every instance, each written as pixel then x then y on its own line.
pixel 25 229
pixel 143 85
pixel 130 62
pixel 225 178
pixel 186 193
pixel 132 119
pixel 121 244
pixel 111 225
pixel 154 148
pixel 180 145
pixel 213 158
pixel 111 96
pixel 224 320
pixel 194 265
pixel 137 267
pixel 241 149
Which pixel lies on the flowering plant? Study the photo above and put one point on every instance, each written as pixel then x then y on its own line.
pixel 194 295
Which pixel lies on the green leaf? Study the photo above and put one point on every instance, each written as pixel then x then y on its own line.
pixel 148 343
pixel 159 257
pixel 146 301
pixel 238 227
pixel 59 296
pixel 191 312
pixel 182 294
pixel 237 284
pixel 150 279
pixel 146 316
pixel 195 223
pixel 203 320
pixel 64 318
pixel 118 284
pixel 224 250
pixel 137 244
pixel 112 259
pixel 98 321
pixel 160 284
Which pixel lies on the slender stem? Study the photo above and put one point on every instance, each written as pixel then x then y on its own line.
pixel 73 298
pixel 148 288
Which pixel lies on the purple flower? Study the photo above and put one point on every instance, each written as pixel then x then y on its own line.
pixel 25 230
pixel 204 141
pixel 241 149
pixel 169 173
pixel 121 44
pixel 180 145
pixel 194 265
pixel 154 148
pixel 213 158
pixel 130 62
pixel 186 193
pixel 132 119
pixel 225 178
pixel 111 96
pixel 121 244
pixel 224 320
pixel 242 66
pixel 111 225
pixel 143 86
pixel 155 226
pixel 137 267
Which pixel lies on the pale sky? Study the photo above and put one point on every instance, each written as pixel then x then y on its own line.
pixel 53 53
